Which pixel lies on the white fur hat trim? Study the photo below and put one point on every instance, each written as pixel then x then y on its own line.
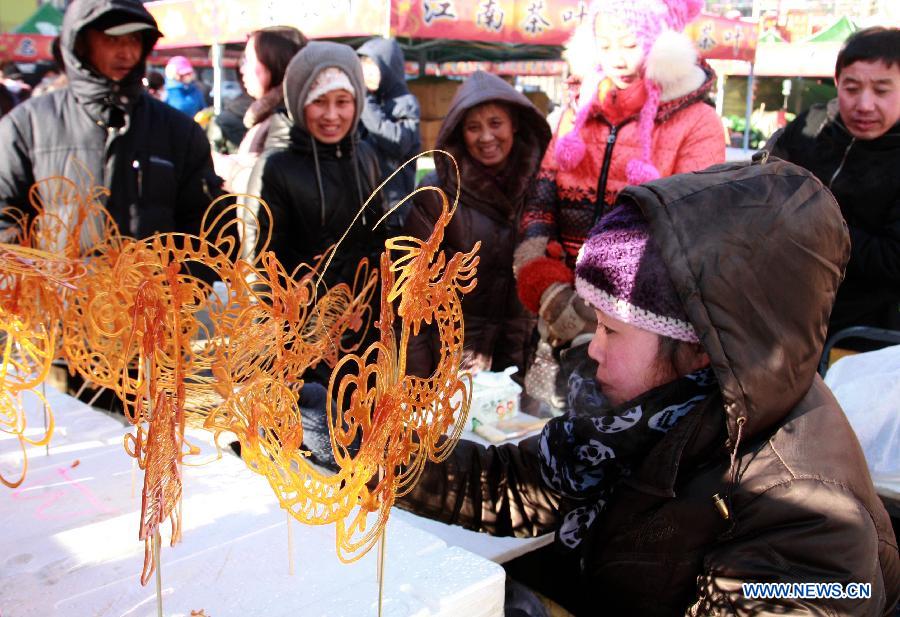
pixel 672 63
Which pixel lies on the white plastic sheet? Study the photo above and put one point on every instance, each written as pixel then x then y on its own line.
pixel 867 386
pixel 70 543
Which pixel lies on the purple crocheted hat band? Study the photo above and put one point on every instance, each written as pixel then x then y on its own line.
pixel 621 271
pixel 635 315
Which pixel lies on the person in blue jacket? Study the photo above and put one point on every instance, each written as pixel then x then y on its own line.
pixel 390 120
pixel 182 91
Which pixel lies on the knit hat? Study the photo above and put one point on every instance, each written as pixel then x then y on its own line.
pixel 303 69
pixel 179 65
pixel 653 22
pixel 327 81
pixel 621 272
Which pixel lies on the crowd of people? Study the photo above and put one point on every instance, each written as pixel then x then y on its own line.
pixel 665 309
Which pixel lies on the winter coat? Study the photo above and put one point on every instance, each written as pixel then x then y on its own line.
pixel 862 174
pixel 227 130
pixel 390 121
pixel 564 205
pixel 237 168
pixel 498 328
pixel 315 190
pixel 257 119
pixel 186 98
pixel 773 445
pixel 155 160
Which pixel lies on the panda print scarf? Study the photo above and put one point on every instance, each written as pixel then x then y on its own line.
pixel 589 450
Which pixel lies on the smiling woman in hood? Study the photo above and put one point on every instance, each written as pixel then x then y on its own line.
pixel 315 175
pixel 497 138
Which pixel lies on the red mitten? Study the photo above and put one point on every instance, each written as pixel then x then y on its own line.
pixel 555 249
pixel 536 276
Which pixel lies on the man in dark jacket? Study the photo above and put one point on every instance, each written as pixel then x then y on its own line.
pixel 390 120
pixel 853 146
pixel 154 160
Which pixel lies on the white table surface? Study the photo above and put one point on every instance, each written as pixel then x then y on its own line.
pixel 70 543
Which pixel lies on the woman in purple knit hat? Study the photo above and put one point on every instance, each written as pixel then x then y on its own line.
pixel 699 453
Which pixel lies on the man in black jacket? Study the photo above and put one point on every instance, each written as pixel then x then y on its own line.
pixel 154 160
pixel 853 146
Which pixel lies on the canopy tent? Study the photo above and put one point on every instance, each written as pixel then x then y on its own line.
pixel 46 20
pixel 835 33
pixel 814 57
pixel 770 36
pixel 32 40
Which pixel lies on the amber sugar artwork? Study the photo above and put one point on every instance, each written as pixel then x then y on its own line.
pixel 142 318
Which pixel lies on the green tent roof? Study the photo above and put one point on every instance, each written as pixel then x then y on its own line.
pixel 836 32
pixel 770 36
pixel 46 20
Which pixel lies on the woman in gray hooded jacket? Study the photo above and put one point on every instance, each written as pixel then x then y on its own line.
pixel 390 120
pixel 315 175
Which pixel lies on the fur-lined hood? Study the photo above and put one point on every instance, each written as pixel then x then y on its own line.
pixel 533 132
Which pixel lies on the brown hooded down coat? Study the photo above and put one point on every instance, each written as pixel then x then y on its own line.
pixel 497 327
pixel 756 253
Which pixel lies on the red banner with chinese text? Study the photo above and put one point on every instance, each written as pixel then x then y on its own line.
pixel 26 47
pixel 535 22
pixel 720 38
pixel 547 22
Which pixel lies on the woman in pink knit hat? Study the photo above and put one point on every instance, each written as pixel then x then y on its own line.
pixel 641 115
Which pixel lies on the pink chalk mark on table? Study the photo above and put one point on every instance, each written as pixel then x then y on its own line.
pixel 69 499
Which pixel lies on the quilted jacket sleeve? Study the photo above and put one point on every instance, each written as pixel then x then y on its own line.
pixel 15 163
pixel 704 144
